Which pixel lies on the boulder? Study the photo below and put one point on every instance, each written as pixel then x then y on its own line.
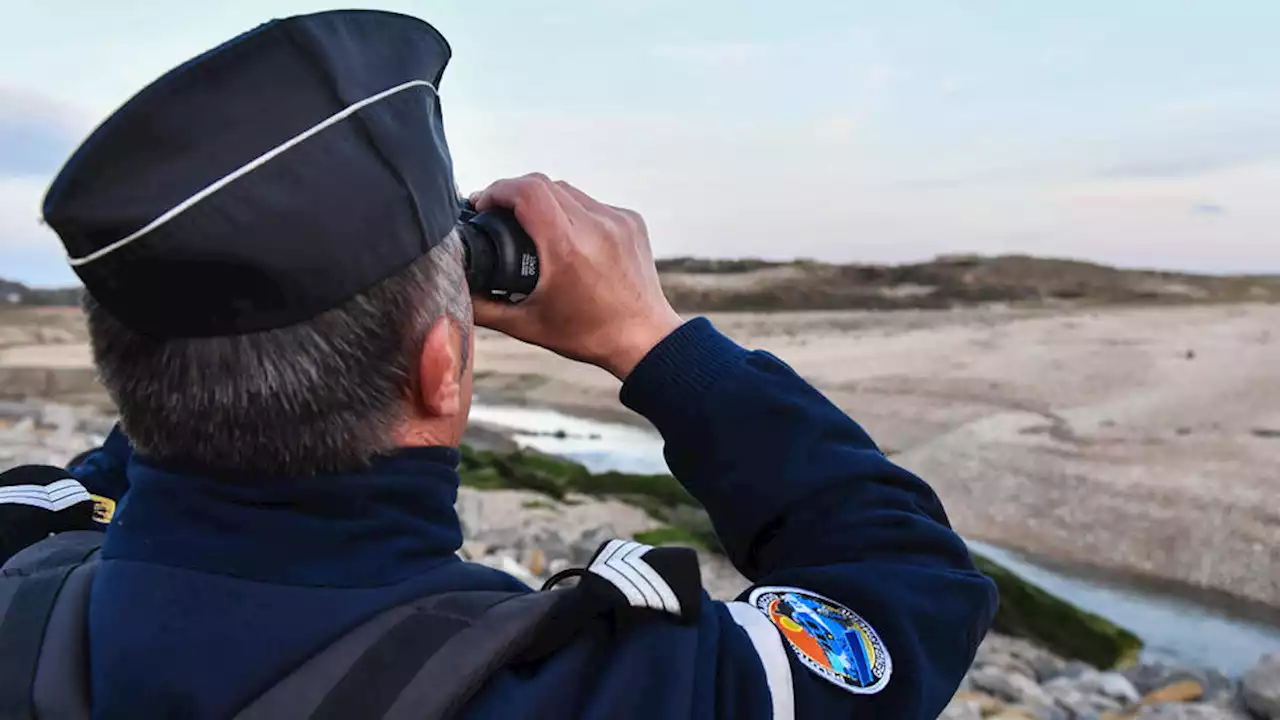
pixel 1108 684
pixel 1021 654
pixel 1261 688
pixel 1010 687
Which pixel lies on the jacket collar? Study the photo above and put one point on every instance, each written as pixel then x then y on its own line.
pixel 368 529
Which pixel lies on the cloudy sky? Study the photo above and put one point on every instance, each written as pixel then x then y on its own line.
pixel 1136 132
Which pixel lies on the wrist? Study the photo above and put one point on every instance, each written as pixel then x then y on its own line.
pixel 637 341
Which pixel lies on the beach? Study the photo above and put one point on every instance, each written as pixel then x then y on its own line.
pixel 1139 440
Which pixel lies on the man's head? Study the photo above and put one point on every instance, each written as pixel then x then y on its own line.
pixel 390 367
pixel 267 234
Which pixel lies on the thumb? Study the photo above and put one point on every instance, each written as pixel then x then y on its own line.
pixel 496 315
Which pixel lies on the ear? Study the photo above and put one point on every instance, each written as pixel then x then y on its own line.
pixel 440 370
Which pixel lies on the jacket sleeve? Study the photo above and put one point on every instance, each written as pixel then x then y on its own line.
pixel 802 498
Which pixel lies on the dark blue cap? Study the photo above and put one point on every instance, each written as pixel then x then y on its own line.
pixel 265 181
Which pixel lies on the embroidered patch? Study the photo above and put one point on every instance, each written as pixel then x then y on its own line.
pixel 830 639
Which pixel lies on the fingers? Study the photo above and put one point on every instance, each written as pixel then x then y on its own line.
pixel 537 207
pixel 495 315
pixel 584 200
pixel 595 206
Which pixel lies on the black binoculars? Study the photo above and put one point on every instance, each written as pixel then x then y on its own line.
pixel 500 257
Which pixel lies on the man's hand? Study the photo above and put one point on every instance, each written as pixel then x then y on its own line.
pixel 598 299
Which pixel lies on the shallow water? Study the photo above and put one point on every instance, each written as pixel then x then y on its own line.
pixel 1175 629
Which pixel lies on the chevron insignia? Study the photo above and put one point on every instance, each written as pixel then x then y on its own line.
pixel 665 579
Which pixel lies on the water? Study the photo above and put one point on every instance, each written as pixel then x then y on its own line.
pixel 1174 629
pixel 598 445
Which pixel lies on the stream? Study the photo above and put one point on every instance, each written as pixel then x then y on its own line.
pixel 1174 629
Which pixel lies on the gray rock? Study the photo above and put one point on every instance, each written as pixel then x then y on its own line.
pixel 1075 669
pixel 1187 711
pixel 1080 697
pixel 552 543
pixel 1107 684
pixel 1261 688
pixel 1010 687
pixel 586 545
pixel 1041 664
pixel 1150 676
pixel 1005 663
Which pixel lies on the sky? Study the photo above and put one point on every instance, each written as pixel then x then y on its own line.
pixel 1141 133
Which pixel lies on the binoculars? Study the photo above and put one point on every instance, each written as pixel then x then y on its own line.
pixel 500 257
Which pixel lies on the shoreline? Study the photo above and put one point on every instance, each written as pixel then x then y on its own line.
pixel 1227 603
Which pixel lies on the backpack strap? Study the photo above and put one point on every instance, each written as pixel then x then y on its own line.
pixel 44 599
pixel 420 660
pixel 426 659
pixel 454 673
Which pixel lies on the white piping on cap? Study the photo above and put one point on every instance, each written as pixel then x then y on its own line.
pixel 248 168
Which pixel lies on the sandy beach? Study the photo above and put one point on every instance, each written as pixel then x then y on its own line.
pixel 1139 440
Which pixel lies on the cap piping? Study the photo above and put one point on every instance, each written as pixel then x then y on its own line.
pixel 248 168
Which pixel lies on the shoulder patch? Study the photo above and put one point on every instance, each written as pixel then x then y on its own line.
pixel 827 637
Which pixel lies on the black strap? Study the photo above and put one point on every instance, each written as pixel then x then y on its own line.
pixel 377 677
pixel 458 669
pixel 21 637
pixel 365 669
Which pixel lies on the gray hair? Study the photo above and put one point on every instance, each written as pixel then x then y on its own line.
pixel 324 395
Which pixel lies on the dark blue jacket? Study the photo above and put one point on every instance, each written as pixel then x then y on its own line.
pixel 212 589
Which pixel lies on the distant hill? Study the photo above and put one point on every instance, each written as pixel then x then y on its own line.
pixel 704 285
pixel 695 284
pixel 13 293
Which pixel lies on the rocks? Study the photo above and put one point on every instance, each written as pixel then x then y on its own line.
pixel 1083 699
pixel 1110 684
pixel 1149 677
pixel 1011 687
pixel 1021 655
pixel 1013 678
pixel 1196 711
pixel 48 433
pixel 1261 688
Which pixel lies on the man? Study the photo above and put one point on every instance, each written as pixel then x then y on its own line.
pixel 277 304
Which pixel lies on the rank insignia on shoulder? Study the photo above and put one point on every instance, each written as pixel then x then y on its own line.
pixel 828 638
pixel 638 576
